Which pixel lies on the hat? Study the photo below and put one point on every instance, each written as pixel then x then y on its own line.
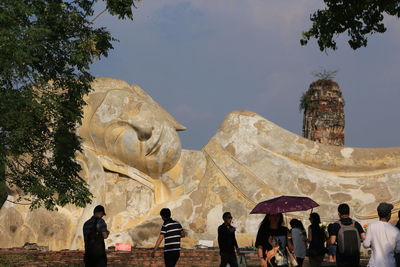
pixel 384 209
pixel 99 208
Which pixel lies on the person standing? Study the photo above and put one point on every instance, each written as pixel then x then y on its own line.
pixel 171 232
pixel 299 239
pixel 383 238
pixel 273 241
pixel 331 248
pixel 227 242
pixel 347 234
pixel 94 233
pixel 316 239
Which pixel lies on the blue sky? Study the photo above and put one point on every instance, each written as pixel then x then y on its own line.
pixel 201 59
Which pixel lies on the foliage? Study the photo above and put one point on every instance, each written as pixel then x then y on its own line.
pixel 305 102
pixel 325 74
pixel 46 49
pixel 357 18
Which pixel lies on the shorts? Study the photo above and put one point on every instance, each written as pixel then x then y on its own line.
pixel 332 250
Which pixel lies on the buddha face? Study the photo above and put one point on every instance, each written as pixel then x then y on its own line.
pixel 127 125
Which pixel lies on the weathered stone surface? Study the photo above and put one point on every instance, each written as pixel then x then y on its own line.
pixel 134 165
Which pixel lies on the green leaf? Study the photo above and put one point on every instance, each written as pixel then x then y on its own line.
pixel 46 50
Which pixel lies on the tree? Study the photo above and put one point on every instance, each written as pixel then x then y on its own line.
pixel 358 18
pixel 46 49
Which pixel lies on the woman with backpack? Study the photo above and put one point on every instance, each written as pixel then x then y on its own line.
pixel 299 238
pixel 316 239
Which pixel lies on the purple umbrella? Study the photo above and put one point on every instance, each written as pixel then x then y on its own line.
pixel 284 204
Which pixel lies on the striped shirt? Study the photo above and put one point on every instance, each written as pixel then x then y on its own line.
pixel 171 230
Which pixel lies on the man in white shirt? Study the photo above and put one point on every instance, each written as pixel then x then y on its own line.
pixel 383 238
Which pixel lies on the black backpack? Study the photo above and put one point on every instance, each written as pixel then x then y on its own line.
pixel 94 244
pixel 348 239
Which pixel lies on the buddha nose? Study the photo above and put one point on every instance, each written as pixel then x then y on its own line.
pixel 143 133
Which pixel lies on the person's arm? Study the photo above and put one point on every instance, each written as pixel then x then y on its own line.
pixel 367 240
pixel 309 236
pixel 105 234
pixel 333 232
pixel 263 262
pixel 289 243
pixel 363 236
pixel 236 244
pixel 332 240
pixel 220 236
pixel 159 240
pixel 360 230
pixel 182 231
pixel 397 248
pixel 102 228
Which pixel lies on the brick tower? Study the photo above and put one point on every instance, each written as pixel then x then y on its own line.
pixel 323 107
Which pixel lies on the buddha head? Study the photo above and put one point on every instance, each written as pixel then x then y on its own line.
pixel 124 123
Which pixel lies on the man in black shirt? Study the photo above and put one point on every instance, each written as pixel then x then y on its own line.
pixel 227 241
pixel 398 222
pixel 94 233
pixel 343 260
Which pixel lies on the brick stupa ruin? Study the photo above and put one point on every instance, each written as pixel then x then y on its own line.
pixel 323 107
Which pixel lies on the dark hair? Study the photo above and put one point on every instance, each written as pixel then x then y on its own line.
pixel 343 209
pixel 315 219
pixel 226 215
pixel 382 214
pixel 265 223
pixel 330 227
pixel 165 213
pixel 99 208
pixel 295 223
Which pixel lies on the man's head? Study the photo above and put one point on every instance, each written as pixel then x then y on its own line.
pixel 99 211
pixel 165 214
pixel 343 210
pixel 227 217
pixel 385 211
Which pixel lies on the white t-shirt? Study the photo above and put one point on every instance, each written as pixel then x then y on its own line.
pixel 384 240
pixel 299 243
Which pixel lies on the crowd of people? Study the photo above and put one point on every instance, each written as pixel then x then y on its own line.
pixel 341 241
pixel 276 244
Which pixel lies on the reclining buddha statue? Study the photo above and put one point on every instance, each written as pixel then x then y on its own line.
pixel 134 165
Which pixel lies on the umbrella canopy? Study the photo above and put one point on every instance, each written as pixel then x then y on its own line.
pixel 284 204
